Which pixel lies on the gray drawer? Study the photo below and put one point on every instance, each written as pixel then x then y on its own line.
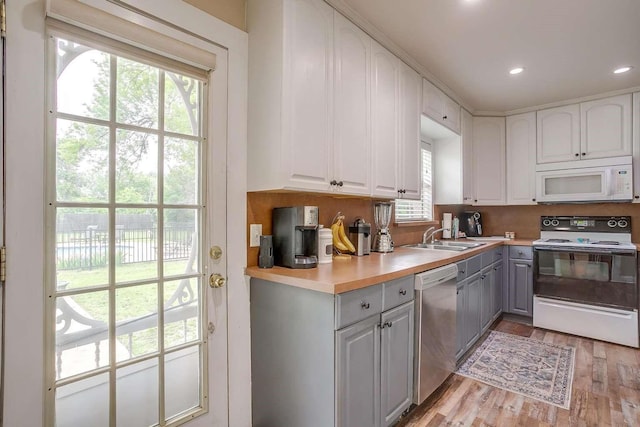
pixel 474 264
pixel 462 270
pixel 520 252
pixel 397 292
pixel 491 256
pixel 354 306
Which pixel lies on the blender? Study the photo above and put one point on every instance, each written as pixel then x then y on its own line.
pixel 382 215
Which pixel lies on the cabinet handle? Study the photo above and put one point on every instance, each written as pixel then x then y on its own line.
pixel 483 276
pixel 462 271
pixel 457 291
pixel 365 305
pixel 388 324
pixel 340 183
pixel 403 291
pixel 637 197
pixel 333 182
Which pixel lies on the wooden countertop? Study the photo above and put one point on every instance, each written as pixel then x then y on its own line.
pixel 359 272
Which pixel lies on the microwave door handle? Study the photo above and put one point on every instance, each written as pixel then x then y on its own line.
pixel 610 183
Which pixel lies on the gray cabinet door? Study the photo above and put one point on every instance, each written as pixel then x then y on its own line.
pixel 396 362
pixel 358 374
pixel 520 287
pixel 472 323
pixel 486 298
pixel 461 333
pixel 497 290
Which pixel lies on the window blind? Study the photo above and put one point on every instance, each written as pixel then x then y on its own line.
pixel 419 210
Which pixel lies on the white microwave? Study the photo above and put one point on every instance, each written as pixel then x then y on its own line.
pixel 593 184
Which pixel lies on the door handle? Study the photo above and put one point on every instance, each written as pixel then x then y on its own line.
pixel 216 280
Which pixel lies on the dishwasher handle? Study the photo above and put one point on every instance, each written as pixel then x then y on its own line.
pixel 435 277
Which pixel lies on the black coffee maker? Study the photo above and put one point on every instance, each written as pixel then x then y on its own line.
pixel 471 223
pixel 295 236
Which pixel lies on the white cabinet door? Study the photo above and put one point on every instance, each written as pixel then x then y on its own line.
pixel 384 119
pixel 307 89
pixel 409 176
pixel 467 158
pixel 636 147
pixel 351 138
pixel 605 126
pixel 558 138
pixel 489 160
pixel 440 107
pixel 521 159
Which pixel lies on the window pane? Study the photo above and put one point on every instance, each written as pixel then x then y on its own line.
pixel 181 104
pixel 180 253
pixel 82 162
pixel 83 80
pixel 184 393
pixel 181 312
pixel 81 333
pixel 136 167
pixel 137 320
pixel 419 210
pixel 180 171
pixel 82 247
pixel 137 94
pixel 83 403
pixel 136 244
pixel 137 394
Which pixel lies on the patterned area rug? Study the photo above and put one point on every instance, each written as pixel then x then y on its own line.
pixel 526 366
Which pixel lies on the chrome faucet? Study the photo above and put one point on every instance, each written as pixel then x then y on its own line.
pixel 431 232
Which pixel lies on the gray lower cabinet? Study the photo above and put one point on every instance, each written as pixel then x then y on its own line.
pixel 519 293
pixel 324 360
pixel 521 287
pixel 479 297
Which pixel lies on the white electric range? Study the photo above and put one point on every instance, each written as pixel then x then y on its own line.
pixel 585 278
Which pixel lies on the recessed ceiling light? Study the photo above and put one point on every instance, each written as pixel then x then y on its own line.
pixel 516 70
pixel 622 70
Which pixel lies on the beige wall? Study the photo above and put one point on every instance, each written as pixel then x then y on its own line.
pixel 230 11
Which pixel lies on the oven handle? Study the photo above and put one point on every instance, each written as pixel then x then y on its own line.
pixel 595 251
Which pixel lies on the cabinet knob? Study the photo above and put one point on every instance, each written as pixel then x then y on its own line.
pixel 444 117
pixel 333 182
pixel 365 305
pixel 584 154
pixel 462 271
pixel 403 291
pixel 533 200
pixel 340 183
pixel 577 154
pixel 637 197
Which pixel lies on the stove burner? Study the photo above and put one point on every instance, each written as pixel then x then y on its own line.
pixel 606 242
pixel 557 240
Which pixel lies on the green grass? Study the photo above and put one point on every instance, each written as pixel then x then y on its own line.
pixel 132 302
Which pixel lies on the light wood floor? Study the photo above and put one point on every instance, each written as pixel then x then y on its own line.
pixel 606 391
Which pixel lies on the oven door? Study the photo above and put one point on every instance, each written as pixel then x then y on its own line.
pixel 587 275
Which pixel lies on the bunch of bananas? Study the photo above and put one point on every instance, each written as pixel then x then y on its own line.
pixel 340 240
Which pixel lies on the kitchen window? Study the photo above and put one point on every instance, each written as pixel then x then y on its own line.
pixel 419 210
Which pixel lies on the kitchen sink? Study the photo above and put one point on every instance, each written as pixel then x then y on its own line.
pixel 446 246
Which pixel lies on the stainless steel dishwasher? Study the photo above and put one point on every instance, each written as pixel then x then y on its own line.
pixel 435 329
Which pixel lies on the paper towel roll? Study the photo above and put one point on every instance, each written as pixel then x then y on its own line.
pixel 446 224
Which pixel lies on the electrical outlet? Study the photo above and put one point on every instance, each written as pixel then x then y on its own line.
pixel 255 231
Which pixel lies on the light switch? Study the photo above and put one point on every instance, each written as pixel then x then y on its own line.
pixel 255 231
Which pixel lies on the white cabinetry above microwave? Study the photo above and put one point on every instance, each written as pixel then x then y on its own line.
pixel 439 107
pixel 590 130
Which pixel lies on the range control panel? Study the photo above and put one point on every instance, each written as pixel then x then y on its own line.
pixel 602 224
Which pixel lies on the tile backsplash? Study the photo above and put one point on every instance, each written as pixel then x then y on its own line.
pixel 523 220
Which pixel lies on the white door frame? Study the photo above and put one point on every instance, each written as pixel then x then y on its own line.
pixel 25 132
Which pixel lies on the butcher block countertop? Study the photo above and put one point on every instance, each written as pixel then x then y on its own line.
pixel 359 272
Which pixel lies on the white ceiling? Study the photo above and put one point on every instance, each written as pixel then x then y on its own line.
pixel 567 47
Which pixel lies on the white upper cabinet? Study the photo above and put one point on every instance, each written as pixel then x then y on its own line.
pixel 489 160
pixel 439 107
pixel 605 126
pixel 352 128
pixel 291 91
pixel 636 147
pixel 467 157
pixel 385 115
pixel 409 171
pixel 558 138
pixel 590 130
pixel 521 159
